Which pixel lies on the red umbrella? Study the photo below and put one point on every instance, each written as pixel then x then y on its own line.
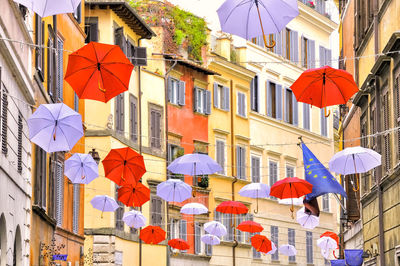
pixel 290 187
pixel 331 235
pixel 261 243
pixel 98 71
pixel 178 244
pixel 124 166
pixel 233 207
pixel 250 226
pixel 324 87
pixel 152 234
pixel 134 195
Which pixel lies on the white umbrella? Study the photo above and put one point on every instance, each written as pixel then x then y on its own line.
pixel 273 250
pixel 80 168
pixel 327 243
pixel 290 201
pixel 134 219
pixel 210 239
pixel 287 250
pixel 255 191
pixel 104 203
pixel 327 253
pixel 307 220
pixel 46 8
pixel 194 208
pixel 215 228
pixel 174 190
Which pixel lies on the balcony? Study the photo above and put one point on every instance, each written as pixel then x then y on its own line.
pixel 317 5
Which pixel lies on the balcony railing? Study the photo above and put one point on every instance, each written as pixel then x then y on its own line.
pixel 317 5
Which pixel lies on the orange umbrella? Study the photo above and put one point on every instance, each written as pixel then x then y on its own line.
pixel 152 234
pixel 134 195
pixel 261 243
pixel 124 166
pixel 250 226
pixel 178 244
pixel 98 71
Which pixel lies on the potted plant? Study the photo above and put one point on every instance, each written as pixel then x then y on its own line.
pixel 311 4
pixel 202 181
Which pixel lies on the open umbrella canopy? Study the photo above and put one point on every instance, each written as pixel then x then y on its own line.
pixel 354 160
pixel 104 203
pixel 273 249
pixel 289 201
pixel 210 239
pixel 307 220
pixel 45 8
pixel 261 243
pixel 325 86
pixel 215 228
pixel 81 168
pixel 332 235
pixel 98 71
pixel 152 234
pixel 194 164
pixel 250 226
pixel 134 219
pixel 290 187
pixel 327 243
pixel 134 195
pixel 232 207
pixel 245 18
pixel 178 244
pixel 287 250
pixel 174 190
pixel 124 166
pixel 255 190
pixel 55 127
pixel 194 208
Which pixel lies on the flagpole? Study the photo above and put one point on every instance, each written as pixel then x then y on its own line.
pixel 338 200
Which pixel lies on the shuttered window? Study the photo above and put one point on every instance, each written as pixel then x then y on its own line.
pixel 324 123
pixel 120 113
pixel 290 107
pixel 255 94
pixel 307 53
pixel 4 119
pixel 75 208
pixel 156 211
pixel 241 162
pixel 119 39
pixel 119 213
pixel 294 46
pixel 255 169
pixel 39 40
pixel 221 97
pixel 40 177
pixel 275 239
pixel 241 104
pixel 309 247
pixel 306 116
pixel 292 241
pixel 325 202
pixel 183 229
pixel 59 71
pixel 176 91
pixel 91 30
pixel 19 139
pixel 274 100
pixel 227 219
pixel 59 181
pixel 325 56
pixel 197 238
pixel 220 155
pixel 202 101
pixel 140 56
pixel 133 118
pixel 155 128
pixel 273 172
pixel 385 112
pixel 396 93
pixel 289 171
pixel 364 143
pixel 51 64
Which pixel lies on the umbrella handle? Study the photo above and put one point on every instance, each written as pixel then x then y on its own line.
pixel 357 188
pixel 292 210
pixel 272 44
pixel 256 210
pixel 327 114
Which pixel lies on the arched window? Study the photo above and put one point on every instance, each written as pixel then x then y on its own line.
pixel 17 251
pixel 3 241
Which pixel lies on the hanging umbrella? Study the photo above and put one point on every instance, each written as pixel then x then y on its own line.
pixel 104 203
pixel 327 243
pixel 210 239
pixel 174 190
pixel 255 191
pixel 98 71
pixel 287 250
pixel 178 243
pixel 55 127
pixel 194 208
pixel 296 201
pixel 250 226
pixel 332 235
pixel 134 195
pixel 261 243
pixel 232 207
pixel 124 166
pixel 194 164
pixel 215 228
pixel 327 253
pixel 290 187
pixel 307 220
pixel 46 8
pixel 81 168
pixel 353 257
pixel 152 234
pixel 253 18
pixel 134 219
pixel 354 160
pixel 273 250
pixel 338 263
pixel 324 87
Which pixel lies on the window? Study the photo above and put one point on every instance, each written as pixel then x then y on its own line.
pixel 292 241
pixel 174 151
pixel 242 237
pixel 59 181
pixel 155 127
pixel 202 101
pixel 241 104
pixel 220 155
pixel 254 94
pixel 133 118
pixel 325 202
pixel 19 148
pixel 273 172
pixel 176 91
pixel 289 171
pixel 226 219
pixel 40 180
pixel 386 145
pixel 199 247
pixel 396 95
pixel 309 247
pixel 365 187
pixel 77 13
pixel 156 211
pixel 120 113
pixel 274 100
pixel 119 213
pixel 255 169
pixel 174 228
pixel 324 123
pixel 51 64
pixel 221 97
pixel 307 53
pixel 306 116
pixel 39 40
pixel 240 162
pixel 291 45
pixel 325 57
pixel 59 71
pixel 91 30
pixel 291 108
pixel 119 38
pixel 274 238
pixel 182 229
pixel 75 208
pixel 4 120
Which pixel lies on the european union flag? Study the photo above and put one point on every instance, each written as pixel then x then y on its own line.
pixel 322 180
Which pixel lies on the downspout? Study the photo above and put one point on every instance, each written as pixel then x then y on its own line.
pixel 234 174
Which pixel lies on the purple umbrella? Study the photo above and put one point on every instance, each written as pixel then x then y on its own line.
pixel 194 164
pixel 55 127
pixel 104 203
pixel 247 18
pixel 81 168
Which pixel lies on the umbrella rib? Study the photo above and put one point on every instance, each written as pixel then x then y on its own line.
pixel 336 87
pixel 361 162
pixel 85 68
pixel 272 18
pixel 108 52
pixel 113 76
pixel 84 57
pixel 314 81
pixel 233 9
pixel 248 18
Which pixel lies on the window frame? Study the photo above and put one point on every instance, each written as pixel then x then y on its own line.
pixel 309 248
pixel 155 136
pixel 275 239
pixel 256 157
pixel 241 103
pixel 224 166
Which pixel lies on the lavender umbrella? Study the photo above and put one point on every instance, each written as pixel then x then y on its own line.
pixel 134 219
pixel 194 208
pixel 255 191
pixel 307 220
pixel 194 164
pixel 174 190
pixel 104 203
pixel 81 168
pixel 210 239
pixel 287 250
pixel 253 18
pixel 55 127
pixel 215 228
pixel 46 8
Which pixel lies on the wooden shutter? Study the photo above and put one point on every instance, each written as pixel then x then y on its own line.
pixel 291 241
pixel 238 162
pixel 183 229
pixel 217 216
pixel 295 47
pixel 239 236
pixel 243 162
pixel 215 95
pixel 76 102
pixel 59 72
pixel 140 54
pixel 278 102
pixel 197 238
pixel 169 88
pixel 226 98
pixel 152 128
pixel 208 102
pixel 195 100
pixel 257 93
pixel 322 59
pixel 208 250
pixel 386 137
pixel 284 33
pixel 295 110
pixel 396 94
pixel 278 45
pixel 221 155
pixel 286 115
pixel 271 173
pixel 306 116
pixel 252 94
pixel 19 147
pixel 50 68
pixel 119 38
pixel 323 122
pixel 59 192
pixel 353 212
pixel 303 52
pixel 4 123
pixel 311 44
pixel 274 238
pixel 94 32
pixel 133 118
pixel 158 129
pixel 269 99
pixel 309 247
pixel 328 57
pixel 181 93
pixel 75 208
pixel 122 111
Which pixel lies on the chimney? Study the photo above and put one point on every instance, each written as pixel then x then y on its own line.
pixel 224 47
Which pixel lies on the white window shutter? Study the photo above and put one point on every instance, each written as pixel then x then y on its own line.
pixel 226 98
pixel 312 53
pixel 295 47
pixel 75 208
pixel 169 84
pixel 215 98
pixel 182 87
pixel 197 236
pixel 208 102
pixel 59 176
pixel 279 102
pixel 269 100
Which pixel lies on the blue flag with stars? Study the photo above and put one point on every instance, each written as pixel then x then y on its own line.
pixel 316 173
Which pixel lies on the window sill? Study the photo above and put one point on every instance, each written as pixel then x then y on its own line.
pixel 201 114
pixel 241 116
pixel 175 105
pixel 220 109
